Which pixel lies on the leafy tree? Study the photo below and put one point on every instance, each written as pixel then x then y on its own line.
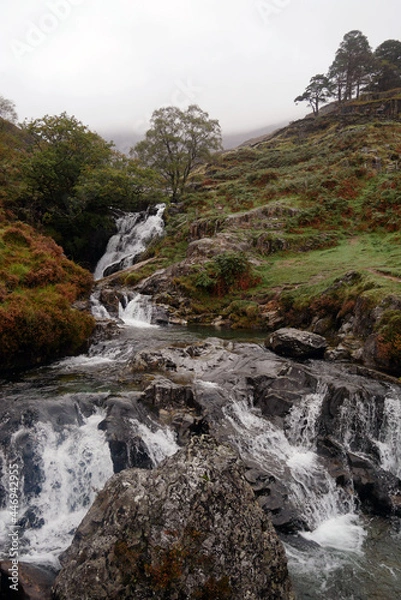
pixel 353 65
pixel 388 69
pixel 7 110
pixel 319 91
pixel 73 182
pixel 61 149
pixel 176 142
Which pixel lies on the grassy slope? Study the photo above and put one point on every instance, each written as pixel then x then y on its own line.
pixel 315 200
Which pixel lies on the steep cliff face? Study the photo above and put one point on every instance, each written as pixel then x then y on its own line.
pixel 189 529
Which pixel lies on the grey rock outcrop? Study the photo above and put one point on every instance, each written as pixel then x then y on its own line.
pixel 295 343
pixel 189 529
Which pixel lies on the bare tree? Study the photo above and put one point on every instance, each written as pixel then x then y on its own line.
pixel 7 110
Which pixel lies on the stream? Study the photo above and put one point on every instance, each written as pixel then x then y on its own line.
pixel 57 425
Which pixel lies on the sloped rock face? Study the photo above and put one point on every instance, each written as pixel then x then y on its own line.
pixel 189 529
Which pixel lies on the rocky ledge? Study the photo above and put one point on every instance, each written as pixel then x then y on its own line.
pixel 190 528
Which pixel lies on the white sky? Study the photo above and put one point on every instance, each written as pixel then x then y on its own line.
pixel 112 62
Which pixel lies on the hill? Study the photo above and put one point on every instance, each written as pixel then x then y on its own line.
pixel 301 228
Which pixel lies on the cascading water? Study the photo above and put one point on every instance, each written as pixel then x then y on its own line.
pixel 389 437
pixel 71 466
pixel 292 452
pixel 134 232
pixel 159 441
pixel 137 312
pixel 65 461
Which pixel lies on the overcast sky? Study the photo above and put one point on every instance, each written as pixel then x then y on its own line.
pixel 112 62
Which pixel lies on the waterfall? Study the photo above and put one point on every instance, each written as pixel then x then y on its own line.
pixel 72 465
pixel 137 312
pixel 134 232
pixel 389 438
pixel 159 441
pixel 291 452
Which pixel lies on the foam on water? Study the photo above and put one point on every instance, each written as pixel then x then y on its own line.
pixel 138 312
pixel 160 441
pixel 344 532
pixel 76 462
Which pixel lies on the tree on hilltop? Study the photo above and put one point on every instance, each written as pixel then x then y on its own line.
pixel 176 142
pixel 352 66
pixel 388 66
pixel 318 92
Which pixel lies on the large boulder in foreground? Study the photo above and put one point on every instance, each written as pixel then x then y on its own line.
pixel 190 528
pixel 295 343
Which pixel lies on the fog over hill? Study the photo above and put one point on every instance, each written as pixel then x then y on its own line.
pixel 124 140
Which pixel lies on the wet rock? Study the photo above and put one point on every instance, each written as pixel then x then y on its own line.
pixel 34 583
pixel 110 298
pixel 189 529
pixel 160 315
pixel 126 448
pixel 295 343
pixel 187 425
pixel 163 393
pixel 275 396
pixel 379 491
pixel 337 354
pixel 273 498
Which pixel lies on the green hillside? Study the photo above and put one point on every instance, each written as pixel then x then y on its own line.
pixel 302 227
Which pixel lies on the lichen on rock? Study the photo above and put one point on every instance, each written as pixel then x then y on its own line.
pixel 190 528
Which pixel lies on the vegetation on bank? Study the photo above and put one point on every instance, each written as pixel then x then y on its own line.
pixel 59 182
pixel 38 287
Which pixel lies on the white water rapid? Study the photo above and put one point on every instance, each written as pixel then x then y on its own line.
pixel 74 464
pixel 291 452
pixel 134 232
pixel 138 311
pixel 59 425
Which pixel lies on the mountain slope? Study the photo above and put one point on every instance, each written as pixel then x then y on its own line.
pixel 299 229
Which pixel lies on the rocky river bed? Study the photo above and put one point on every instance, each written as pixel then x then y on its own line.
pixel 319 445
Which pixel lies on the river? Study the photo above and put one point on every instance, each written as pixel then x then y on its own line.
pixel 51 426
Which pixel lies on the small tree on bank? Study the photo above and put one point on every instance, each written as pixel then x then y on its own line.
pixel 176 142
